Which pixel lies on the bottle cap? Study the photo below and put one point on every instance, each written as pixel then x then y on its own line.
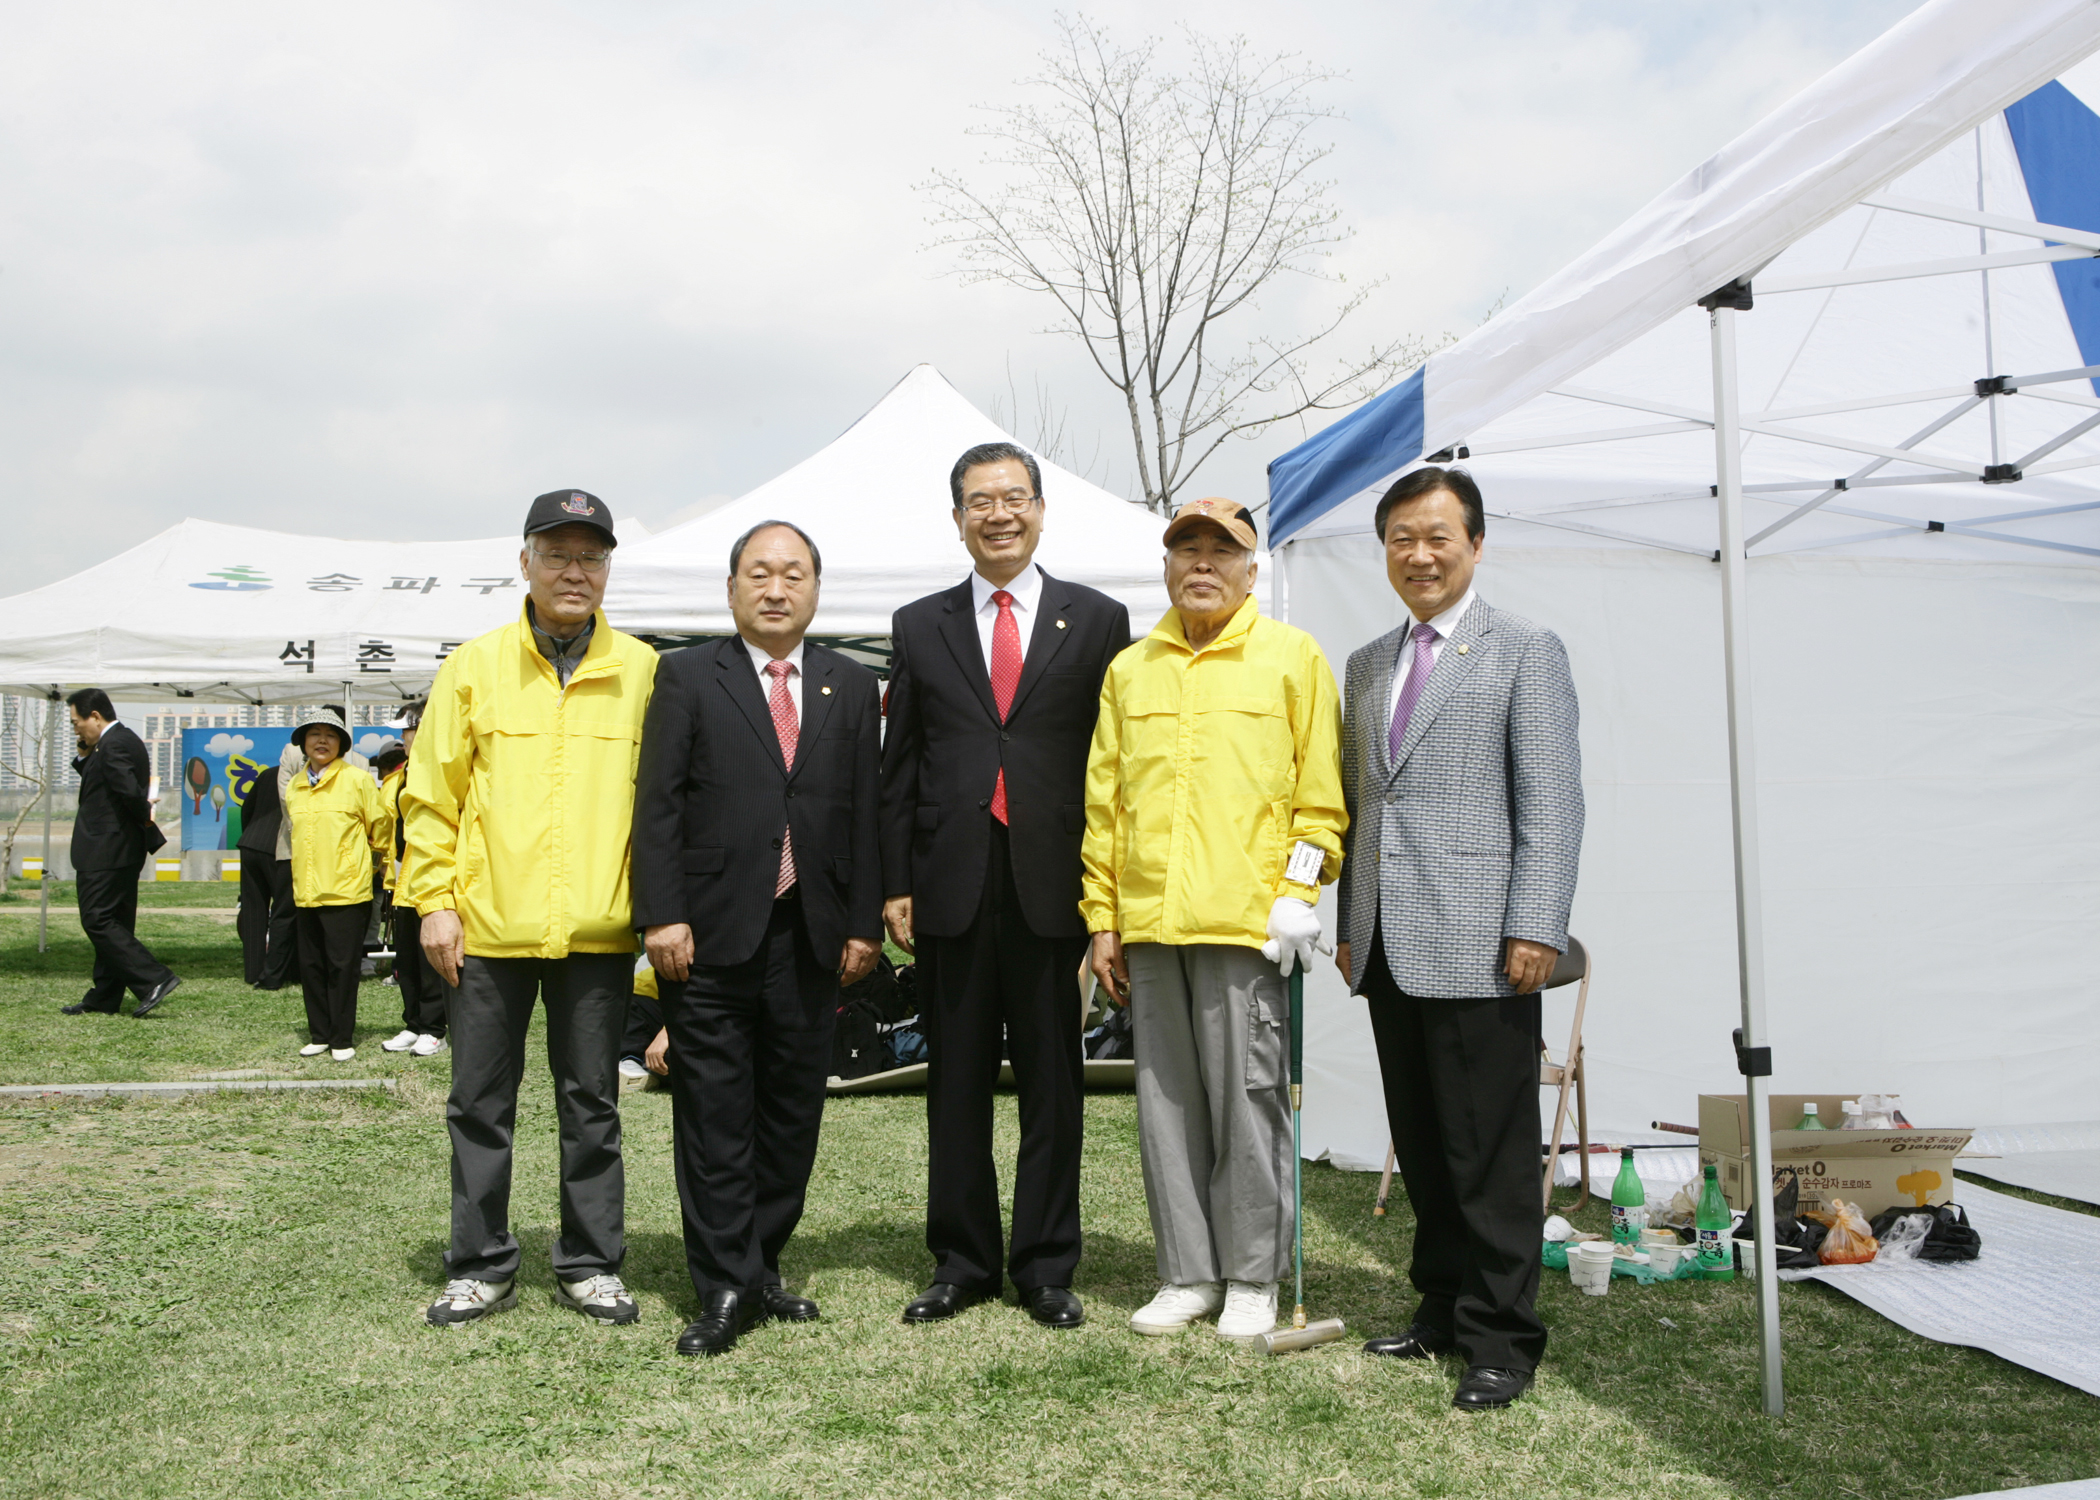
pixel 1810 1108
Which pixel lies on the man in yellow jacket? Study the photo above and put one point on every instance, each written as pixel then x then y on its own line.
pixel 1213 816
pixel 518 808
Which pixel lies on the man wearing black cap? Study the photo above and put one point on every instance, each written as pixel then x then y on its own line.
pixel 517 811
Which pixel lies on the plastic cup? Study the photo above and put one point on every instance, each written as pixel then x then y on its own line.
pixel 1589 1265
pixel 1663 1258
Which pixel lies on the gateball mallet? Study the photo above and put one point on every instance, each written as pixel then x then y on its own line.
pixel 1300 1335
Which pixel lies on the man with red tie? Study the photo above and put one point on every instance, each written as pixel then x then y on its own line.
pixel 757 885
pixel 994 686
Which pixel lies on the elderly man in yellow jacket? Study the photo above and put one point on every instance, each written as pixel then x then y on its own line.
pixel 1213 816
pixel 519 803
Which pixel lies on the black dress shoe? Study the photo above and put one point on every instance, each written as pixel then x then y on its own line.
pixel 154 996
pixel 941 1300
pixel 85 1009
pixel 1053 1306
pixel 1484 1389
pixel 1416 1343
pixel 785 1305
pixel 725 1318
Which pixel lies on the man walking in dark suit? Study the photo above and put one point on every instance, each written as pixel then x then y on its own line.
pixel 758 887
pixel 994 687
pixel 112 834
pixel 1464 782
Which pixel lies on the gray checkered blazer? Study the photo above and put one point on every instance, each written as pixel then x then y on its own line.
pixel 1475 836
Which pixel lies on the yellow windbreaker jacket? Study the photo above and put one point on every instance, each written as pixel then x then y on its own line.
pixel 520 798
pixel 390 819
pixel 1206 770
pixel 335 829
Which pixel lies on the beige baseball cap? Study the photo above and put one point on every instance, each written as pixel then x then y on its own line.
pixel 1237 520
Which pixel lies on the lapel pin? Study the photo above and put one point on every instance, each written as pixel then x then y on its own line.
pixel 825 691
pixel 1060 624
pixel 1463 648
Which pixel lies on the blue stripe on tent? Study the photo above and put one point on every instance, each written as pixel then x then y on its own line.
pixel 2058 142
pixel 1355 453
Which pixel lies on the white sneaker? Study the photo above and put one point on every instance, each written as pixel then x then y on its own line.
pixel 400 1041
pixel 632 1074
pixel 428 1045
pixel 313 1049
pixel 1250 1310
pixel 465 1300
pixel 1177 1306
pixel 341 1054
pixel 602 1297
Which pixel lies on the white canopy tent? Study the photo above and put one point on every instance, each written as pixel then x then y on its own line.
pixel 1906 415
pixel 876 502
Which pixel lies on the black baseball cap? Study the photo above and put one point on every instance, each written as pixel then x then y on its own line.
pixel 570 508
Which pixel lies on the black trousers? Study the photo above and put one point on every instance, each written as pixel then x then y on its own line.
pixel 268 921
pixel 109 911
pixel 586 999
pixel 1001 983
pixel 645 1018
pixel 331 953
pixel 750 1050
pixel 1462 1097
pixel 422 992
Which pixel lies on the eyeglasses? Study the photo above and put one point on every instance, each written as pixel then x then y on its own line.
pixel 1013 505
pixel 590 562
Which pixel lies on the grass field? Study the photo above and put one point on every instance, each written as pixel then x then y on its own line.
pixel 222 1296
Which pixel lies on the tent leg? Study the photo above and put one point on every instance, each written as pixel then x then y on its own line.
pixel 43 895
pixel 1753 1046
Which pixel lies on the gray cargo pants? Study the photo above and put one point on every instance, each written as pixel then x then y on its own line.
pixel 1214 1113
pixel 586 999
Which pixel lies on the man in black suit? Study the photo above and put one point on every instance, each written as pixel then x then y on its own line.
pixel 994 686
pixel 112 834
pixel 268 919
pixel 758 889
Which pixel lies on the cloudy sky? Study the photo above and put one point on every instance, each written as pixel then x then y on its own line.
pixel 395 268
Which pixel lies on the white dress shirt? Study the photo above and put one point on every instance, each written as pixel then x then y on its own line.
pixel 760 657
pixel 1443 625
pixel 1027 591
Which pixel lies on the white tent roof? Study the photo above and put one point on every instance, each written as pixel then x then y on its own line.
pixel 237 614
pixel 876 502
pixel 1922 217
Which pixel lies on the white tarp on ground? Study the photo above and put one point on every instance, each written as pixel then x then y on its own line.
pixel 2063 1159
pixel 2032 1296
pixel 876 503
pixel 237 614
pixel 1924 697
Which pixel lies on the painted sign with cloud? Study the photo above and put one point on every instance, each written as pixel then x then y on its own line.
pixel 219 769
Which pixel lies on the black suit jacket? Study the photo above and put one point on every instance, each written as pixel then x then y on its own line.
pixel 110 832
pixel 712 796
pixel 945 746
pixel 261 814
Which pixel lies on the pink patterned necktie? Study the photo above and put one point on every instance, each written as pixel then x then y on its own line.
pixel 1410 690
pixel 785 726
pixel 1006 676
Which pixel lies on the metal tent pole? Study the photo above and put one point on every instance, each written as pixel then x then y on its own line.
pixel 43 913
pixel 1753 1051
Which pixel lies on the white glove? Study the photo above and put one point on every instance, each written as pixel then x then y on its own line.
pixel 1294 935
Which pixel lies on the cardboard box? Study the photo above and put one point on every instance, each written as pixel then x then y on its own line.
pixel 1875 1169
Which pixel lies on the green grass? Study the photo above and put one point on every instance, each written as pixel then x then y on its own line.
pixel 217 893
pixel 222 1296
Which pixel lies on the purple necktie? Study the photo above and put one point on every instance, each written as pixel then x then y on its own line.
pixel 1410 690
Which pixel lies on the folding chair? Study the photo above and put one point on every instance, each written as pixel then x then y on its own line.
pixel 1573 965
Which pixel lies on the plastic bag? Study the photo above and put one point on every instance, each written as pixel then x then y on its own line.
pixel 1904 1236
pixel 1943 1233
pixel 1850 1242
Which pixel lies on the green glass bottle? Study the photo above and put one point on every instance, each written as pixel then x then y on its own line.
pixel 1714 1221
pixel 1811 1117
pixel 1629 1204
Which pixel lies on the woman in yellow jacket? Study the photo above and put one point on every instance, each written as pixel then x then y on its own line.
pixel 337 824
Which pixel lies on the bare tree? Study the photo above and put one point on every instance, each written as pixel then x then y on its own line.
pixel 1151 207
pixel 27 768
pixel 1044 428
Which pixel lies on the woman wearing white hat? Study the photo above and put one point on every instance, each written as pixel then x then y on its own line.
pixel 337 824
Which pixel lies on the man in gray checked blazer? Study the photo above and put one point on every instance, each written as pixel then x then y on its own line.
pixel 1463 778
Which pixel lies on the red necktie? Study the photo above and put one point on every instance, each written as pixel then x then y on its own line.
pixel 789 730
pixel 1006 676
